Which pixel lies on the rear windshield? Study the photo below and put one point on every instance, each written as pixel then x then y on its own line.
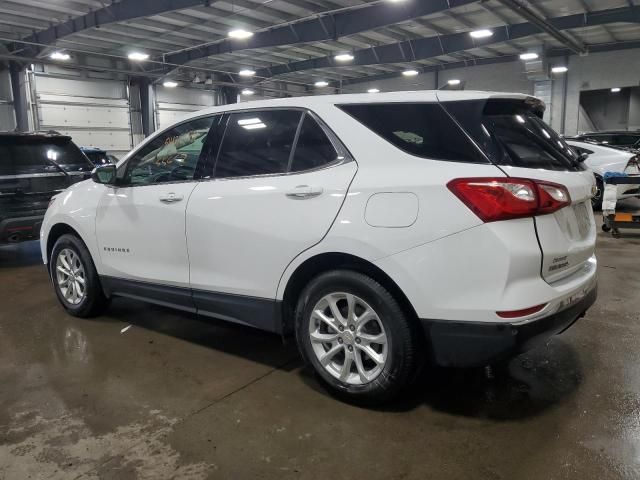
pixel 34 155
pixel 512 133
pixel 421 129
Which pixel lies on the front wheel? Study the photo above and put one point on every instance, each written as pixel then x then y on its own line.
pixel 75 278
pixel 357 337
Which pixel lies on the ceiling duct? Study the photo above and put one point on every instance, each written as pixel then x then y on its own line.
pixel 537 69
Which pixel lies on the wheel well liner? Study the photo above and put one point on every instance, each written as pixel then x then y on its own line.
pixel 325 262
pixel 55 233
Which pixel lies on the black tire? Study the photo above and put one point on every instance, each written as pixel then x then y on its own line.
pixel 596 201
pixel 94 301
pixel 405 343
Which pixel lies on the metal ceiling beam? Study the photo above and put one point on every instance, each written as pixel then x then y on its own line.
pixel 523 9
pixel 431 47
pixel 322 28
pixel 115 12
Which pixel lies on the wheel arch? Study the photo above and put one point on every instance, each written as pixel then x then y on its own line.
pixel 55 232
pixel 328 261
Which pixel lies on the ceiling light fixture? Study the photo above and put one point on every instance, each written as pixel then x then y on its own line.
pixel 373 90
pixel 344 57
pixel 138 56
pixel 247 91
pixel 170 84
pixel 560 69
pixel 529 56
pixel 321 84
pixel 615 89
pixel 454 82
pixel 240 34
pixel 410 73
pixel 246 73
pixel 60 56
pixel 481 33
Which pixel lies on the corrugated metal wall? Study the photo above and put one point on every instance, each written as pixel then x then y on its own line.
pixel 96 113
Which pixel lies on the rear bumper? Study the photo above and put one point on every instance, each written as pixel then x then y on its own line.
pixel 20 229
pixel 466 344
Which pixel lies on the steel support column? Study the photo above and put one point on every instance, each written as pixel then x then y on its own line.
pixel 20 94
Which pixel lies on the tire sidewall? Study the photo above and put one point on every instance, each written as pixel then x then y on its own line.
pixel 390 314
pixel 92 285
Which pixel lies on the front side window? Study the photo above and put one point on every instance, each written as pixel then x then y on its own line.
pixel 170 157
pixel 257 143
pixel 421 129
pixel 313 148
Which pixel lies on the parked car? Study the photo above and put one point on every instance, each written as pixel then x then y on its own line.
pixel 623 139
pixel 98 156
pixel 382 230
pixel 601 159
pixel 33 168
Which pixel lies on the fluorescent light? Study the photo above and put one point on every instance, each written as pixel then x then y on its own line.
pixel 246 73
pixel 169 84
pixel 321 84
pixel 481 33
pixel 254 126
pixel 454 81
pixel 615 89
pixel 240 34
pixel 344 57
pixel 528 56
pixel 138 56
pixel 60 56
pixel 373 90
pixel 249 121
pixel 559 69
pixel 247 91
pixel 410 73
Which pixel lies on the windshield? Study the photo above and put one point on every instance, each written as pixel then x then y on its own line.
pixel 20 155
pixel 512 133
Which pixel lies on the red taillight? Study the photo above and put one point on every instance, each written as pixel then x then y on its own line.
pixel 634 162
pixel 521 313
pixel 494 199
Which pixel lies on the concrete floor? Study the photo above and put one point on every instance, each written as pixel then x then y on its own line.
pixel 174 397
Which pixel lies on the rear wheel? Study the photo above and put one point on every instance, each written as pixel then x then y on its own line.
pixel 75 278
pixel 356 336
pixel 596 200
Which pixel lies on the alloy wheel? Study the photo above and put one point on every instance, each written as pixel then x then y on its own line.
pixel 70 276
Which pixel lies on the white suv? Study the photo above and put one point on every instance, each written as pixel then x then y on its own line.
pixel 385 230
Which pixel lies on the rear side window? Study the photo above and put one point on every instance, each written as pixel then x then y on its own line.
pixel 625 140
pixel 421 129
pixel 257 143
pixel 25 155
pixel 313 148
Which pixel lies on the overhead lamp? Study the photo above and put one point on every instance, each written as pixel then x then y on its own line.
pixel 410 73
pixel 560 69
pixel 60 56
pixel 481 33
pixel 344 57
pixel 615 89
pixel 170 84
pixel 138 56
pixel 373 90
pixel 246 73
pixel 247 91
pixel 529 56
pixel 454 81
pixel 321 84
pixel 240 34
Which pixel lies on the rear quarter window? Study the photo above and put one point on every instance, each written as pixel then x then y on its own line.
pixel 421 129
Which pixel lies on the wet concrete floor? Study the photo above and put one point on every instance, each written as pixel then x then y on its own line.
pixel 175 397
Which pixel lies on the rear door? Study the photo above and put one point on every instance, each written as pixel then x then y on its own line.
pixel 516 139
pixel 279 182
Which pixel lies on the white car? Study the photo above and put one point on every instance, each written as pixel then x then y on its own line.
pixel 601 159
pixel 383 230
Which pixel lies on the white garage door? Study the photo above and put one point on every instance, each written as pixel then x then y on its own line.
pixel 95 113
pixel 172 104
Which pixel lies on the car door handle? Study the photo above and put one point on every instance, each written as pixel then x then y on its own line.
pixel 302 192
pixel 171 198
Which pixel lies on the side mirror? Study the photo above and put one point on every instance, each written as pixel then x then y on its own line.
pixel 105 174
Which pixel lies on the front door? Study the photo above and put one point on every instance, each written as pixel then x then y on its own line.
pixel 279 182
pixel 140 223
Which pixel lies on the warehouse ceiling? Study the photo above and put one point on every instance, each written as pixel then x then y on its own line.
pixel 294 42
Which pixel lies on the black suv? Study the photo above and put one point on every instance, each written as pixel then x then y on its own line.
pixel 33 168
pixel 628 140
